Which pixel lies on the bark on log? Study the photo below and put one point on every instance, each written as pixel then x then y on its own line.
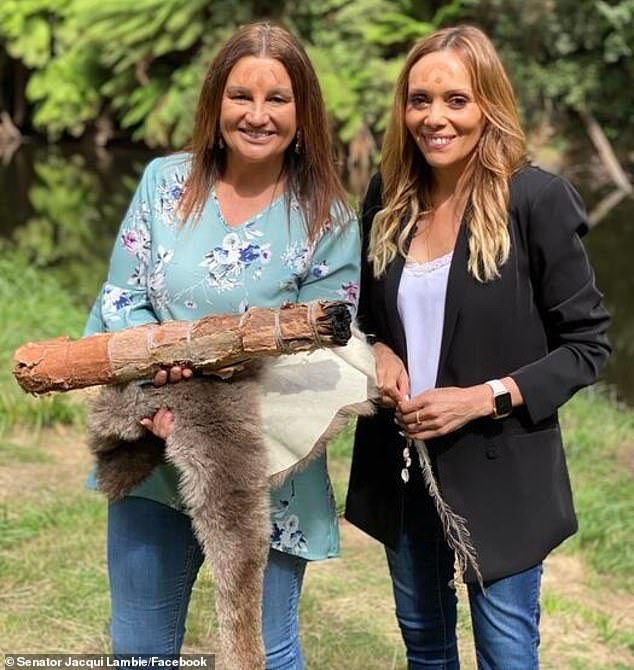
pixel 210 344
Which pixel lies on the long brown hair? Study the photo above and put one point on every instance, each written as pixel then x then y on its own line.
pixel 310 174
pixel 484 186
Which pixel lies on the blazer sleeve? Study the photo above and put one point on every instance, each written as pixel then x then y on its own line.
pixel 574 318
pixel 372 203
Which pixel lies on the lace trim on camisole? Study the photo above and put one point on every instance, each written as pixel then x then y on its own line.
pixel 413 267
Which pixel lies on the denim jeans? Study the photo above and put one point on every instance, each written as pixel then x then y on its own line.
pixel 153 561
pixel 505 622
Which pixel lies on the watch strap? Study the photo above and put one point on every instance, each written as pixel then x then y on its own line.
pixel 496 386
pixel 502 404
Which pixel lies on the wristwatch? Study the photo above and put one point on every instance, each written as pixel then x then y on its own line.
pixel 502 405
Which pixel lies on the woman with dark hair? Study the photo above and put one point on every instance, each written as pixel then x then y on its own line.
pixel 253 215
pixel 479 298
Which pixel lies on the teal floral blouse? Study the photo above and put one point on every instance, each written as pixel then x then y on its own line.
pixel 161 270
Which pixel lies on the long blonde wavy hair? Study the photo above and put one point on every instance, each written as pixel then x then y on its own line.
pixel 484 185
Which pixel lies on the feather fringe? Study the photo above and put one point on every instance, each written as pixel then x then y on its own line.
pixel 455 527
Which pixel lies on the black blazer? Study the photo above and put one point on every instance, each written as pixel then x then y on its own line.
pixel 541 322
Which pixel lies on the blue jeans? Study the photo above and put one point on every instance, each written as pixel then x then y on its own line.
pixel 505 622
pixel 153 561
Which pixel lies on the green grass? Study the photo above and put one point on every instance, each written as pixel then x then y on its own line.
pixel 12 453
pixel 610 630
pixel 54 588
pixel 32 307
pixel 339 453
pixel 599 439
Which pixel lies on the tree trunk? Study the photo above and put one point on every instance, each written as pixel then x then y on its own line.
pixel 20 76
pixel 606 153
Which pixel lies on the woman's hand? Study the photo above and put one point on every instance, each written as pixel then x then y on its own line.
pixel 161 424
pixel 175 374
pixel 391 376
pixel 442 410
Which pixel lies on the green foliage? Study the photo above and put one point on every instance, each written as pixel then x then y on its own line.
pixel 65 93
pixel 27 27
pixel 141 64
pixel 156 52
pixel 64 87
pixel 358 49
pixel 565 55
pixel 62 236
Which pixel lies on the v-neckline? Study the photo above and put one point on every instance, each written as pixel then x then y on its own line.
pixel 249 221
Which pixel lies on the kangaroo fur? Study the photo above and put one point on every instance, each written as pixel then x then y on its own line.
pixel 218 447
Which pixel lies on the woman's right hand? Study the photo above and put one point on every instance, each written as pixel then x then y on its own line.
pixel 391 376
pixel 175 374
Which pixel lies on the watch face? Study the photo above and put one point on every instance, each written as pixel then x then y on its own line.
pixel 503 404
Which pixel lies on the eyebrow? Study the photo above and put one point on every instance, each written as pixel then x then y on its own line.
pixel 457 91
pixel 233 90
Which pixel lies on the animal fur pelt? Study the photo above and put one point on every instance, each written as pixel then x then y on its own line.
pixel 231 441
pixel 217 445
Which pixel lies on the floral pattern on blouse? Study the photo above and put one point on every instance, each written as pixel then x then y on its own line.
pixel 169 193
pixel 286 534
pixel 162 270
pixel 227 263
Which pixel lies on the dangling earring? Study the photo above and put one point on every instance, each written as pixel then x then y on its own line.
pixel 221 142
pixel 298 142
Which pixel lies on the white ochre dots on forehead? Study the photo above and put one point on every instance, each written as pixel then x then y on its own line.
pixel 261 72
pixel 442 68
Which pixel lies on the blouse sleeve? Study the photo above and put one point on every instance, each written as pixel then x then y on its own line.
pixel 334 270
pixel 575 320
pixel 123 300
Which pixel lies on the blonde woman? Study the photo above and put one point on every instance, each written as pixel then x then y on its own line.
pixel 485 318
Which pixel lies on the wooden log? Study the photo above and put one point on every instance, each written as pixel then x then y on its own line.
pixel 211 344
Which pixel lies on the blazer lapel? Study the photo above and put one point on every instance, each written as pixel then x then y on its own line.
pixel 456 284
pixel 392 281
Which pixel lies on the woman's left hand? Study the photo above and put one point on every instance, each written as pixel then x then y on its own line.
pixel 440 411
pixel 161 423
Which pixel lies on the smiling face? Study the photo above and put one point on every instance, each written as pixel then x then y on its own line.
pixel 441 112
pixel 257 115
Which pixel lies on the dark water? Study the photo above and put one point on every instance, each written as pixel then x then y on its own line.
pixel 61 207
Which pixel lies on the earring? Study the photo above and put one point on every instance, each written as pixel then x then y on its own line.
pixel 298 142
pixel 221 142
